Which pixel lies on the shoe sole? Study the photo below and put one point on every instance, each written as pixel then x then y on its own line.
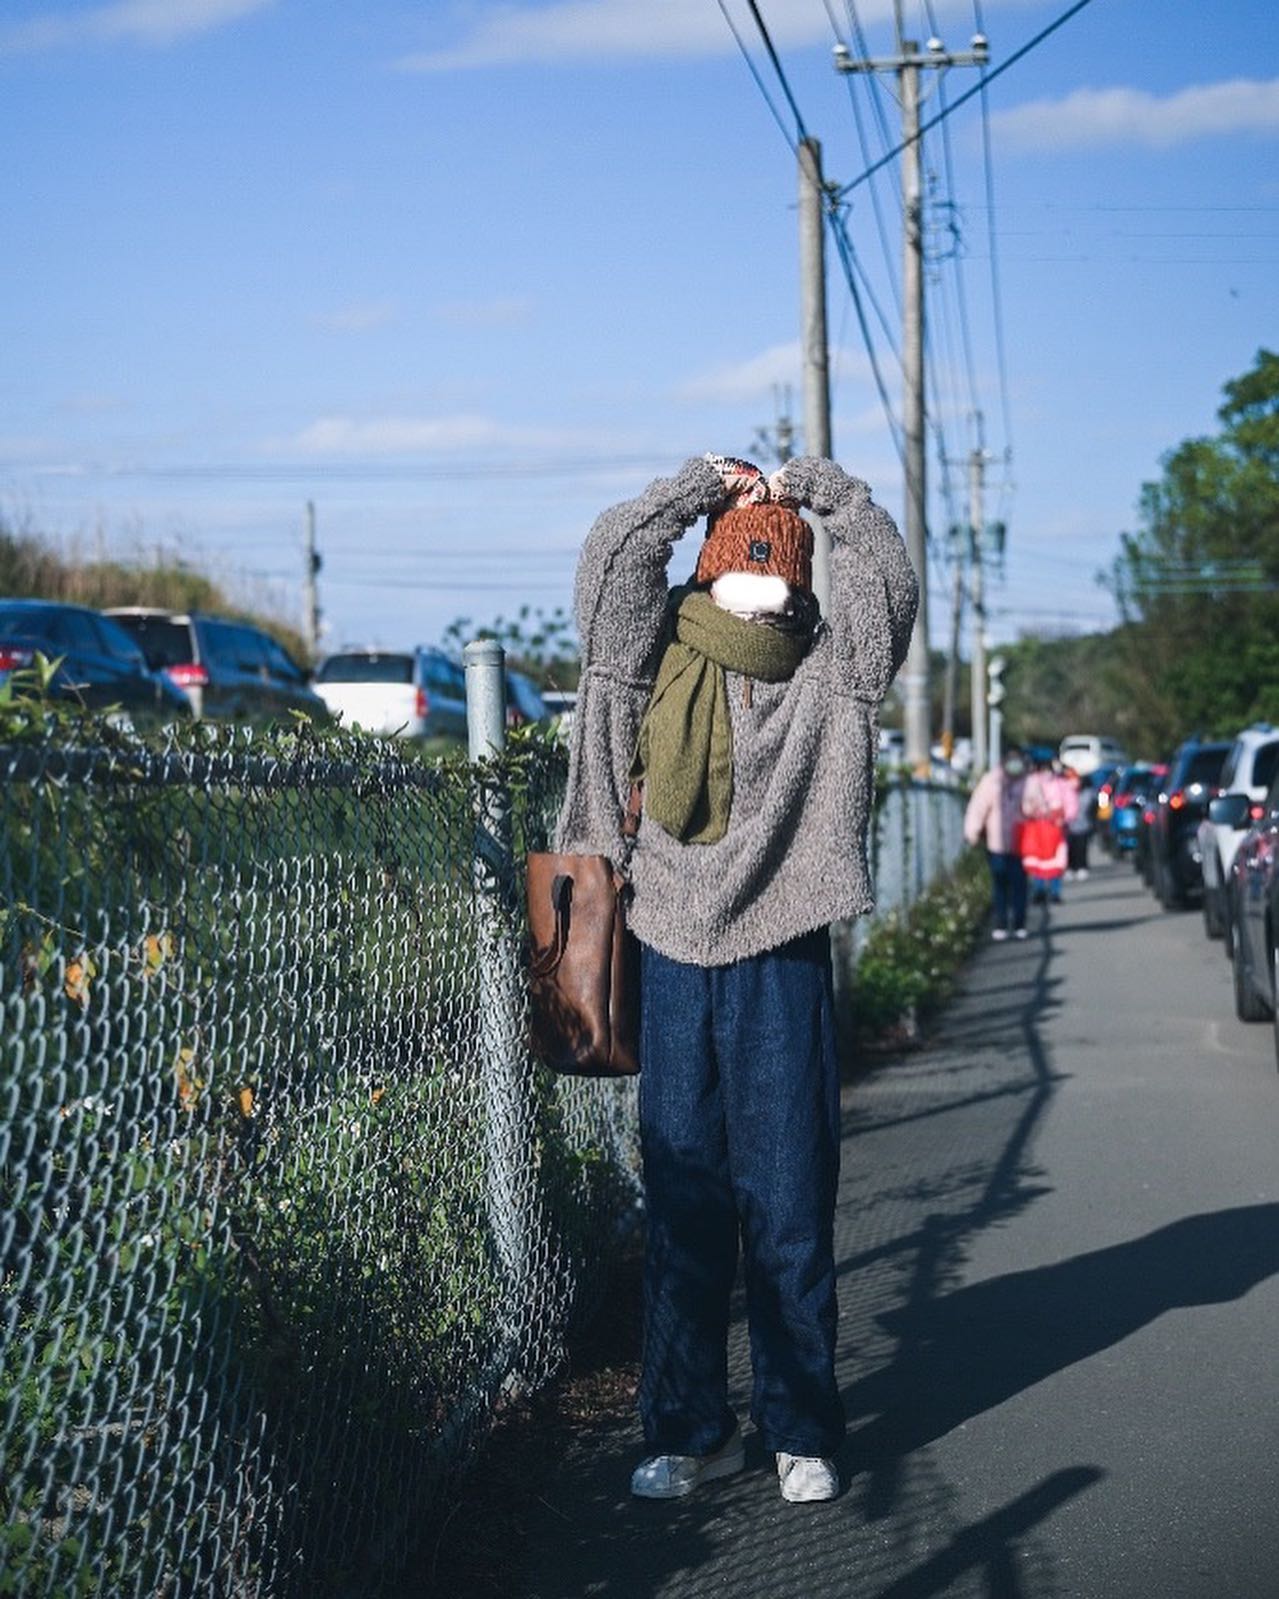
pixel 725 1467
pixel 809 1499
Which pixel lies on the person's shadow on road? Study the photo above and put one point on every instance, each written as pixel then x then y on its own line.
pixel 962 1353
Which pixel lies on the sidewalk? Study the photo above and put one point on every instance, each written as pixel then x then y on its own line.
pixel 1030 1295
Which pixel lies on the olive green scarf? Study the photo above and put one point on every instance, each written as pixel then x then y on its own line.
pixel 685 751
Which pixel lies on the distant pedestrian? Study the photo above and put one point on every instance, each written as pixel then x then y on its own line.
pixel 1079 828
pixel 993 820
pixel 1048 804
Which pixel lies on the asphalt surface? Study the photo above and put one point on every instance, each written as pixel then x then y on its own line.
pixel 1058 1237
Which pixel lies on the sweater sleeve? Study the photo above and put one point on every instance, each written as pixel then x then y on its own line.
pixel 621 588
pixel 873 588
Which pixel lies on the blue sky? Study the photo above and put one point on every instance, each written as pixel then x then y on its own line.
pixel 465 273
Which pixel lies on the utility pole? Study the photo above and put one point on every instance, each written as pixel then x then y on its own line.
pixel 816 355
pixel 977 534
pixel 777 443
pixel 907 64
pixel 310 591
pixel 958 546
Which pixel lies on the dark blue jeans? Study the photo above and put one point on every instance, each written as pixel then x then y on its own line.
pixel 739 1121
pixel 1008 877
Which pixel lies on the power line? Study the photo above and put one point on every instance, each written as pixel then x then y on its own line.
pixel 864 144
pixel 777 68
pixel 352 472
pixel 847 256
pixel 996 294
pixel 986 78
pixel 517 583
pixel 754 72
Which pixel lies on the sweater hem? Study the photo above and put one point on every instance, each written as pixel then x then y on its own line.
pixel 708 950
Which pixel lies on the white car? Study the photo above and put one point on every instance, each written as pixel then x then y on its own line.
pixel 1250 768
pixel 1086 752
pixel 417 693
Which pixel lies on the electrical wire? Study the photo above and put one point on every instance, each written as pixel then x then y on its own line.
pixel 847 256
pixel 754 72
pixel 996 294
pixel 864 144
pixel 349 472
pixel 777 68
pixel 968 94
pixel 843 244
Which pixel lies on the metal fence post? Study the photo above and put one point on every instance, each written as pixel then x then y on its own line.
pixel 504 1065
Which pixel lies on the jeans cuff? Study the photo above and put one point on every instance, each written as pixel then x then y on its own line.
pixel 822 1449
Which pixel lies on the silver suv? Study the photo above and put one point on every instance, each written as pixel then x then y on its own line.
pixel 1250 768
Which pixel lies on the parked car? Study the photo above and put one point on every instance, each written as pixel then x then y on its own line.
pixel 100 665
pixel 416 693
pixel 1103 781
pixel 1254 902
pixel 228 669
pixel 1085 752
pixel 1176 869
pixel 561 704
pixel 524 702
pixel 1131 789
pixel 1250 768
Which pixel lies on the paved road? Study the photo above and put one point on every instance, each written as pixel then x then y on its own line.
pixel 1059 1244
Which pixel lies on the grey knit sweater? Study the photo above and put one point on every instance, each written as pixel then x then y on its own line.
pixel 794 856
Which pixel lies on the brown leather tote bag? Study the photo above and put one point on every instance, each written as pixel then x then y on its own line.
pixel 583 964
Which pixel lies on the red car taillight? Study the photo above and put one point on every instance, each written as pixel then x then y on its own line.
pixel 422 704
pixel 13 660
pixel 188 675
pixel 1176 800
pixel 1148 815
pixel 1256 812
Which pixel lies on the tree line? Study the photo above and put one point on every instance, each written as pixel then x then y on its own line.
pixel 32 569
pixel 1197 587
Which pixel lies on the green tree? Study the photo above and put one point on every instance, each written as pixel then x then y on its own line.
pixel 540 643
pixel 1199 582
pixel 30 568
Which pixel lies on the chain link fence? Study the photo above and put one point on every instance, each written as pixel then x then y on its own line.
pixel 285 1206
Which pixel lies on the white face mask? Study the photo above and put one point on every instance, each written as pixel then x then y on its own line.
pixel 751 594
pixel 1014 767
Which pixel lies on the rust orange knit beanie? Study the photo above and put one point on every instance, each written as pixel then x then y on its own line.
pixel 766 538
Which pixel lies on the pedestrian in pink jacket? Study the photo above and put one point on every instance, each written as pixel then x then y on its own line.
pixel 1049 803
pixel 993 821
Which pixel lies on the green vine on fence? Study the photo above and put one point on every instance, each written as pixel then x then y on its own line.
pixel 910 961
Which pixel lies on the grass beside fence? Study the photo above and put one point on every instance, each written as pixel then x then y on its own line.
pixel 908 964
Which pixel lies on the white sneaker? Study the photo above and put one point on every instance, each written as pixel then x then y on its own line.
pixel 1082 874
pixel 998 935
pixel 805 1479
pixel 673 1476
pixel 1021 933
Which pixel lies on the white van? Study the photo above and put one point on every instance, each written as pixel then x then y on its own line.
pixel 1085 752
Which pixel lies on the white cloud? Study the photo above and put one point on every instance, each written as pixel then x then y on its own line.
pixel 152 22
pixel 499 312
pixel 345 436
pixel 22 449
pixel 575 30
pixel 1091 117
pixel 362 316
pixel 755 376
